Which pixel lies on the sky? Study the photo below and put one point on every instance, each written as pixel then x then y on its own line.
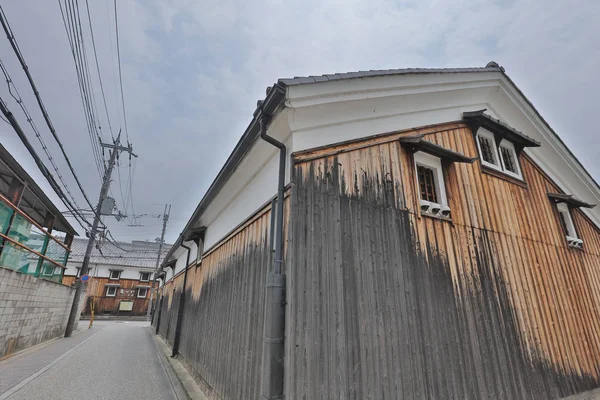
pixel 193 71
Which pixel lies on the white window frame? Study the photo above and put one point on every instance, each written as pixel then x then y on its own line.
pixel 489 135
pixel 145 293
pixel 434 163
pixel 110 275
pixel 511 147
pixel 142 275
pixel 563 209
pixel 108 288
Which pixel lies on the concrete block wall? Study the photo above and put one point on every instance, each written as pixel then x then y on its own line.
pixel 32 310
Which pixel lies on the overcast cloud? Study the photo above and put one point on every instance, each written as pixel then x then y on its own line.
pixel 193 71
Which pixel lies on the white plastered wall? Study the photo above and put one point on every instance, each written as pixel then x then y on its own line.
pixel 333 112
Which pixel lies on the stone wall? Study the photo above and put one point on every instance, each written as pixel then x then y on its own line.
pixel 32 310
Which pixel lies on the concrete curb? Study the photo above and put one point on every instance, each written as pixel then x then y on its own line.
pixel 187 381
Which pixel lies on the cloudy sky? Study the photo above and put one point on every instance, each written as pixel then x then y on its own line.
pixel 193 70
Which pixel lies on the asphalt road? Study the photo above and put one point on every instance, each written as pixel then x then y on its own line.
pixel 120 361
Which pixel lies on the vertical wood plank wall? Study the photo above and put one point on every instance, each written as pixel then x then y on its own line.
pixel 385 303
pixel 107 304
pixel 222 326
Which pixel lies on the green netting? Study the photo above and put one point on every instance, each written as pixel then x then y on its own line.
pixel 51 271
pixel 19 259
pixel 5 213
pixel 25 260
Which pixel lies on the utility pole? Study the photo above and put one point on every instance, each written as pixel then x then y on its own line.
pixel 162 240
pixel 79 285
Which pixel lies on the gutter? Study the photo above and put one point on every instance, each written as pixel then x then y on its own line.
pixel 273 101
pixel 272 377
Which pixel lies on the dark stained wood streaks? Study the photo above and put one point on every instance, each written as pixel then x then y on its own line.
pixel 386 303
pixel 222 325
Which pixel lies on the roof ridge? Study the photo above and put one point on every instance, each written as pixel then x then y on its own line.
pixel 491 66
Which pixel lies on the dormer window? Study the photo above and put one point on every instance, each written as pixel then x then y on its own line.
pixel 502 157
pixel 499 145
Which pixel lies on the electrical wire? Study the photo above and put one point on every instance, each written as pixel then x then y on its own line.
pixel 43 169
pixel 98 69
pixel 70 25
pixel 13 41
pixel 14 93
pixel 120 74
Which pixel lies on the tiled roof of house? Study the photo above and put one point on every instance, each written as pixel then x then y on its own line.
pixel 134 254
pixel 301 80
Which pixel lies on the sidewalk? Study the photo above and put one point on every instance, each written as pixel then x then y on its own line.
pixel 24 365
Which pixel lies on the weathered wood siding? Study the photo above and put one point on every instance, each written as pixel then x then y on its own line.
pixel 385 303
pixel 222 325
pixel 169 308
pixel 105 304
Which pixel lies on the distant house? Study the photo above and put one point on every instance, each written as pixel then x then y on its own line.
pixel 121 275
pixel 35 240
pixel 440 241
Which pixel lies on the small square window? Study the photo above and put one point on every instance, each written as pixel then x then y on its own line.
pixel 47 270
pixel 566 222
pixel 510 162
pixel 487 148
pixel 426 177
pixel 430 185
pixel 142 292
pixel 114 274
pixel 111 291
pixel 144 276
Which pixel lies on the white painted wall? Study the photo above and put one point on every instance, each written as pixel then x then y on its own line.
pixel 332 112
pixel 252 185
pixel 103 271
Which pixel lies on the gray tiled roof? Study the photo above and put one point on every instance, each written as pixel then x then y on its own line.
pixel 301 80
pixel 135 254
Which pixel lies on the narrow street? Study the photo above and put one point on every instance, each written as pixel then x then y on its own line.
pixel 115 359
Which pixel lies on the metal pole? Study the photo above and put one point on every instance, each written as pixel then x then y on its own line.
pixel 162 239
pixel 79 285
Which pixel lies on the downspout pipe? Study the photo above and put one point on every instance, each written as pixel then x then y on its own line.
pixel 175 350
pixel 272 380
pixel 158 306
pixel 163 277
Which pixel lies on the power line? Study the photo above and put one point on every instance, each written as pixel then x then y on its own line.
pixel 98 68
pixel 17 97
pixel 9 116
pixel 69 21
pixel 120 74
pixel 13 41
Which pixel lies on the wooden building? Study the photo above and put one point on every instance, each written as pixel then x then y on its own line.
pixel 121 276
pixel 440 241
